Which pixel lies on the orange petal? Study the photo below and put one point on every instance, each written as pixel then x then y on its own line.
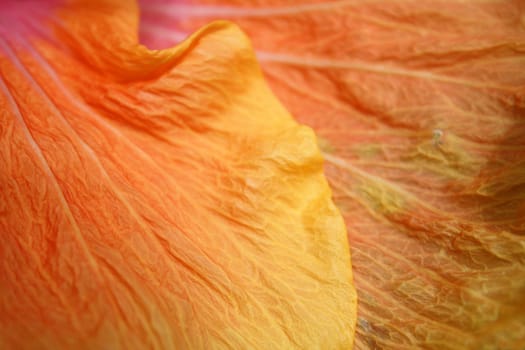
pixel 419 109
pixel 158 199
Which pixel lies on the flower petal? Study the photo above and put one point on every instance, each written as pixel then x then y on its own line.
pixel 159 199
pixel 419 109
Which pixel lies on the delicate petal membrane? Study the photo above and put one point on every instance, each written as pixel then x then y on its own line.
pixel 419 107
pixel 158 199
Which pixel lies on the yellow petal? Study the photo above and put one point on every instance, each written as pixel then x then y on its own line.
pixel 159 199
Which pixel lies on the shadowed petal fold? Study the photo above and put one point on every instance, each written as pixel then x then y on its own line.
pixel 419 107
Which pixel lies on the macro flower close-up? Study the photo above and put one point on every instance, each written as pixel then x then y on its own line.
pixel 262 174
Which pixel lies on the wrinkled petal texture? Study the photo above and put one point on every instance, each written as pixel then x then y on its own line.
pixel 420 110
pixel 157 199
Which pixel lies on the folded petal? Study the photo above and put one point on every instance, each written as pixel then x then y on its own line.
pixel 158 199
pixel 419 109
